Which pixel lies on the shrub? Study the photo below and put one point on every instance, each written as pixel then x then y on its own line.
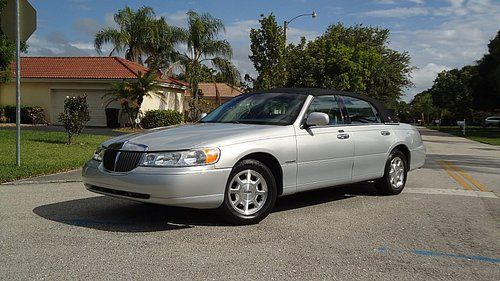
pixel 76 114
pixel 36 115
pixel 161 118
pixel 3 118
pixel 29 114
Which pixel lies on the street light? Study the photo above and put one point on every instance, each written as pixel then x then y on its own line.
pixel 285 25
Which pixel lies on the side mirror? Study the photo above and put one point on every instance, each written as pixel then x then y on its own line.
pixel 202 115
pixel 317 119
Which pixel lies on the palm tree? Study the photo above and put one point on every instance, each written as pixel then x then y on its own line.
pixel 162 45
pixel 133 36
pixel 131 93
pixel 204 46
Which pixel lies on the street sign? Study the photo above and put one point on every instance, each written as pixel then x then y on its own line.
pixel 27 20
pixel 18 20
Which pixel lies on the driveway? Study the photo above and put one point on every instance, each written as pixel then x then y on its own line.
pixel 445 226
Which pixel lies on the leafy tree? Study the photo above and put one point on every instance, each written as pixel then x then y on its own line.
pixel 131 93
pixel 452 91
pixel 76 114
pixel 7 52
pixel 268 53
pixel 402 111
pixel 134 35
pixel 422 107
pixel 205 47
pixel 486 85
pixel 354 58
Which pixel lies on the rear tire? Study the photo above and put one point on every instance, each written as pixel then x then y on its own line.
pixel 250 193
pixel 396 170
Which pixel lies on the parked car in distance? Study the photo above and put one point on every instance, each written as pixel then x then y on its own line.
pixel 256 147
pixel 492 121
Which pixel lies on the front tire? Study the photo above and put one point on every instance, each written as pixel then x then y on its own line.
pixel 250 193
pixel 396 170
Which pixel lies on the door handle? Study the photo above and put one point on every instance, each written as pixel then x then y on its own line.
pixel 385 133
pixel 342 136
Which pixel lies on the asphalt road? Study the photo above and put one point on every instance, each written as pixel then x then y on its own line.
pixel 445 226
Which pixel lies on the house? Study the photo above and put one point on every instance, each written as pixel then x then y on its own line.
pixel 216 93
pixel 47 81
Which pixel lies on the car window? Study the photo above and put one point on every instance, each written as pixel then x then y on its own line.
pixel 328 105
pixel 360 111
pixel 258 108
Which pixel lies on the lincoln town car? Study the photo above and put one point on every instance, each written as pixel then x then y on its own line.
pixel 257 147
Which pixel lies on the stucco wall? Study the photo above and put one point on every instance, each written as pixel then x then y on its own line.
pixel 39 93
pixel 169 99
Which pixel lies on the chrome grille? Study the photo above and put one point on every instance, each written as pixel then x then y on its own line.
pixel 121 161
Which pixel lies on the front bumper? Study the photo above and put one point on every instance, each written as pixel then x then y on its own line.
pixel 194 187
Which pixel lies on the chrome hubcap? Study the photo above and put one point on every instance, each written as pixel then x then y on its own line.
pixel 397 173
pixel 248 192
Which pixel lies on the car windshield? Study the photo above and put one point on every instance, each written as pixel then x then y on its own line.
pixel 258 108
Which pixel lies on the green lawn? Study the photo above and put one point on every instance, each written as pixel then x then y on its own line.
pixel 43 153
pixel 477 133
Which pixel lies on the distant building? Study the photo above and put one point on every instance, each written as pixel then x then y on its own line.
pixel 217 93
pixel 47 81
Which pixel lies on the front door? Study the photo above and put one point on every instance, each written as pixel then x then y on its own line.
pixel 324 153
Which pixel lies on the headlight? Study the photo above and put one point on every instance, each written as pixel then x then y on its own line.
pixel 197 157
pixel 98 154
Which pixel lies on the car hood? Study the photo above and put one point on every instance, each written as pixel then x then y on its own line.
pixel 196 135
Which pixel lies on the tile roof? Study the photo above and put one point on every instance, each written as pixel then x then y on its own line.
pixel 83 68
pixel 225 90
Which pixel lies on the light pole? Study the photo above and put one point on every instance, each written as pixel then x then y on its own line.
pixel 286 23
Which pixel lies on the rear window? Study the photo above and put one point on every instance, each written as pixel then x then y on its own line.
pixel 360 111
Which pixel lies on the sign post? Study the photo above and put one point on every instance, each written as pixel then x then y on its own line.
pixel 18 21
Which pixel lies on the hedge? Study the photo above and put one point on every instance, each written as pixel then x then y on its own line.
pixel 29 114
pixel 161 118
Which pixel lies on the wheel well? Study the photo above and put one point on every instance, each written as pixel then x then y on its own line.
pixel 272 163
pixel 406 152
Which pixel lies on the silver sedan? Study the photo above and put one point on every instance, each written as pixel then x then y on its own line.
pixel 257 147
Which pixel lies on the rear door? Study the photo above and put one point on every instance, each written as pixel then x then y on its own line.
pixel 325 153
pixel 372 138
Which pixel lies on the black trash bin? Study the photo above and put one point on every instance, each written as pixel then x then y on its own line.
pixel 112 115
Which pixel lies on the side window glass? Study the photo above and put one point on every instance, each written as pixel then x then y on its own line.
pixel 360 111
pixel 328 105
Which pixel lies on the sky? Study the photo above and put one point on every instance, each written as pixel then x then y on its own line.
pixel 438 34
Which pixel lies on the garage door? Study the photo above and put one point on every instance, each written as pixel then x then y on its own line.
pixel 94 99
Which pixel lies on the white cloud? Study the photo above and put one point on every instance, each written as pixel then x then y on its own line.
pixel 461 39
pixel 241 29
pixel 178 18
pixel 398 12
pixel 87 26
pixel 385 2
pixel 424 77
pixel 294 35
pixel 55 44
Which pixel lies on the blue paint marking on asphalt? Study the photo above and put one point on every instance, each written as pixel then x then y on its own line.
pixel 385 249
pixel 439 254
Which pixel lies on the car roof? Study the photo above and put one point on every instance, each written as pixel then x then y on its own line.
pixel 384 113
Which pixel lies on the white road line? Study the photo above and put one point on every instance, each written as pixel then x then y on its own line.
pixel 460 192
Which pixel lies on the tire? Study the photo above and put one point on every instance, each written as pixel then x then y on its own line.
pixel 396 162
pixel 241 200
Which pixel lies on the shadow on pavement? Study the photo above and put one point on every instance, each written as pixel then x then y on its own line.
pixel 116 215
